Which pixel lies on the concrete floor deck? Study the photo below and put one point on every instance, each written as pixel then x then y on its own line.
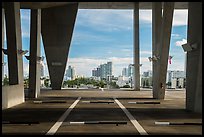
pixel 171 109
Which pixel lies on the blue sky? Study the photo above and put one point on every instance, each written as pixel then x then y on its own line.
pixel 107 35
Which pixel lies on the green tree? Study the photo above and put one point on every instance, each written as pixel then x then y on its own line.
pixel 143 83
pixel 169 84
pixel 46 82
pixel 6 80
pixel 147 83
pixel 101 84
pixel 126 86
pixel 26 83
pixel 114 85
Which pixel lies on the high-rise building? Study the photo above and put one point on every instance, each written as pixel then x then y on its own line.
pixel 176 79
pixel 94 72
pixel 130 70
pixel 175 74
pixel 128 73
pixel 179 74
pixel 104 71
pixel 98 72
pixel 70 73
pixel 41 69
pixel 147 73
pixel 109 70
pixel 169 76
pixel 125 72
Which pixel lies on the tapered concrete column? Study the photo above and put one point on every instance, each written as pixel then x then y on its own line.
pixel 2 43
pixel 156 31
pixel 194 58
pixel 14 42
pixel 136 48
pixel 165 35
pixel 34 63
pixel 57 28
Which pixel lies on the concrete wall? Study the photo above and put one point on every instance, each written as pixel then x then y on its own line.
pixel 12 95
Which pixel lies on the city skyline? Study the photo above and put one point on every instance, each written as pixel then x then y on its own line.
pixel 92 45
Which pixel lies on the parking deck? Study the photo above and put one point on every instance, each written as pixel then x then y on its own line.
pixel 53 111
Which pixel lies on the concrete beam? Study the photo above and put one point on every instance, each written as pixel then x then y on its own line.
pixel 97 5
pixel 156 31
pixel 14 42
pixel 136 48
pixel 165 36
pixel 34 63
pixel 57 28
pixel 194 58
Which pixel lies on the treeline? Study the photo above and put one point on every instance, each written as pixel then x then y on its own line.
pixel 88 81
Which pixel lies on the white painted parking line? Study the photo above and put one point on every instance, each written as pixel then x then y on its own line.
pixel 139 128
pixel 175 123
pixel 56 126
pixel 144 102
pixel 98 102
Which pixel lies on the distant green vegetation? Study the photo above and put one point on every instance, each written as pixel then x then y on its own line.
pixel 46 82
pixel 26 83
pixel 5 81
pixel 89 81
pixel 126 86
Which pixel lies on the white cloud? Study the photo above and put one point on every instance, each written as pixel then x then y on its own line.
pixel 109 52
pixel 126 50
pixel 25 14
pixel 179 43
pixel 146 52
pixel 80 36
pixel 145 16
pixel 83 66
pixel 176 65
pixel 25 68
pixel 106 20
pixel 25 33
pixel 180 17
pixel 175 35
pixel 25 23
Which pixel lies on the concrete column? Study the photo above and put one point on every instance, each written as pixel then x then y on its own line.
pixel 156 31
pixel 34 63
pixel 57 28
pixel 2 43
pixel 194 58
pixel 198 94
pixel 136 48
pixel 165 36
pixel 14 42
